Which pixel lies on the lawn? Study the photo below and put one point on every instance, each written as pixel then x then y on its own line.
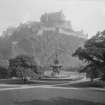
pixel 32 82
pixel 11 81
pixel 3 87
pixel 86 84
pixel 51 96
pixel 58 101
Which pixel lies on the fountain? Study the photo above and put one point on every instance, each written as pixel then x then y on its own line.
pixel 56 67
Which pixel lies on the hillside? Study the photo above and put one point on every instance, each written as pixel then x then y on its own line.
pixel 43 40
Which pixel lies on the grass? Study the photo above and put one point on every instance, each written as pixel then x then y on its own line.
pixel 31 82
pixel 12 81
pixel 17 81
pixel 41 96
pixel 58 101
pixel 49 82
pixel 96 84
pixel 58 79
pixel 2 87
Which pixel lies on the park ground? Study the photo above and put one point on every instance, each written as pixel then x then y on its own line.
pixel 52 93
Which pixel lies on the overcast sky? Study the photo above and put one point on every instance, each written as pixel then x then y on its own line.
pixel 88 15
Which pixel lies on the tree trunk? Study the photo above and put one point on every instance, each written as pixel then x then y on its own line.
pixel 92 79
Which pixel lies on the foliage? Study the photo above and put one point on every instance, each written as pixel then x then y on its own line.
pixel 93 53
pixel 3 72
pixel 23 66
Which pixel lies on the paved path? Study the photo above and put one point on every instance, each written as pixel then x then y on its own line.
pixel 16 87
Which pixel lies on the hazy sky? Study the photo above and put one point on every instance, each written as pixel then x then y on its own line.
pixel 88 15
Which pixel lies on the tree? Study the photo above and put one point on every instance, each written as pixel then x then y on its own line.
pixel 93 53
pixel 23 66
pixel 3 72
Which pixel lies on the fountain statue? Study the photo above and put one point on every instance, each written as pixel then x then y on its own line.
pixel 56 67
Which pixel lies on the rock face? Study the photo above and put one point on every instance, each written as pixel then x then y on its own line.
pixel 43 39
